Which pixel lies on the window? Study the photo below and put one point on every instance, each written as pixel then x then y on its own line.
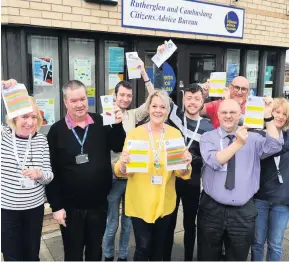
pixel 82 66
pixel 270 68
pixel 114 65
pixel 43 52
pixel 252 70
pixel 232 65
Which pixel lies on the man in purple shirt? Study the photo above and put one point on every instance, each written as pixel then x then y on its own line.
pixel 230 176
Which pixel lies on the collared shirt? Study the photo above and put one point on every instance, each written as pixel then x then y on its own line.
pixel 247 174
pixel 212 111
pixel 88 121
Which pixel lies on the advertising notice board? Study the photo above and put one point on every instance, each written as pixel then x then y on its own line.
pixel 184 16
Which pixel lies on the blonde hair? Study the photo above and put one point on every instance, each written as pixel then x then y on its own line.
pixel 281 101
pixel 11 122
pixel 162 94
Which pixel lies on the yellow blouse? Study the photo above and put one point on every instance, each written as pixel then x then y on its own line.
pixel 143 199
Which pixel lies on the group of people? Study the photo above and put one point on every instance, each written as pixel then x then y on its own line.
pixel 81 166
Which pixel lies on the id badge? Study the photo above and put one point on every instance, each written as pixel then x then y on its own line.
pixel 280 178
pixel 81 159
pixel 27 182
pixel 156 180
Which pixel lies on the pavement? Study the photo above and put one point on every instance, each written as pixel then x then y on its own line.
pixel 52 247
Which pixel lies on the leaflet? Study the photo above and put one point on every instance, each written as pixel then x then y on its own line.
pixel 107 108
pixel 132 61
pixel 139 156
pixel 254 112
pixel 160 57
pixel 174 154
pixel 16 100
pixel 217 84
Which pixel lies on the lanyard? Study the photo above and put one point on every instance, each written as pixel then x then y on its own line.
pixel 277 158
pixel 186 131
pixel 21 165
pixel 156 153
pixel 76 136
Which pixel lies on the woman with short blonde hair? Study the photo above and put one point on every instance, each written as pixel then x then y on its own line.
pixel 25 170
pixel 151 196
pixel 272 199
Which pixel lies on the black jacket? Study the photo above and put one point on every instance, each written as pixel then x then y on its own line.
pixel 83 186
pixel 270 188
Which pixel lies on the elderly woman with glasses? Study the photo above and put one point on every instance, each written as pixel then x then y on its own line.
pixel 272 199
pixel 25 170
pixel 151 196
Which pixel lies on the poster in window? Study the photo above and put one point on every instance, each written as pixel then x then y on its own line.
pixel 252 73
pixel 82 71
pixel 233 71
pixel 47 110
pixel 116 60
pixel 269 75
pixel 42 71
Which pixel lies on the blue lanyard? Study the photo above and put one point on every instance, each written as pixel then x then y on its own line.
pixel 76 136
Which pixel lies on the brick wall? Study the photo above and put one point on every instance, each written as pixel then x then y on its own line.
pixel 266 22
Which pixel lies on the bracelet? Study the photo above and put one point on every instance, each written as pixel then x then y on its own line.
pixel 269 119
pixel 147 81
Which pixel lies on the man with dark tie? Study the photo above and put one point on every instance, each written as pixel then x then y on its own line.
pixel 230 177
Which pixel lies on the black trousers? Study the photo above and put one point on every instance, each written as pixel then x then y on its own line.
pixel 218 224
pixel 189 195
pixel 149 238
pixel 21 233
pixel 83 233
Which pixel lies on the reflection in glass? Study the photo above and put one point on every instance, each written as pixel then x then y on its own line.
pixel 232 65
pixel 82 66
pixel 252 69
pixel 45 71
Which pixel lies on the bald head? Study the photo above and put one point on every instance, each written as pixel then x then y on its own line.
pixel 229 114
pixel 239 89
pixel 230 104
pixel 241 81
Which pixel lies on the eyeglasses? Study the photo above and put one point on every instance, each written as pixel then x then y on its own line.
pixel 244 90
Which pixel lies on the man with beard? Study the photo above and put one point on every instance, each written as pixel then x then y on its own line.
pixel 192 127
pixel 123 97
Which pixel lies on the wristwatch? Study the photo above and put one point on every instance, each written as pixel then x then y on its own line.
pixel 269 119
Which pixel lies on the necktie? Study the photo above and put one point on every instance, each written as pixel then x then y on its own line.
pixel 230 180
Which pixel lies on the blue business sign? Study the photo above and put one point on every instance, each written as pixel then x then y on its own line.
pixel 169 77
pixel 189 16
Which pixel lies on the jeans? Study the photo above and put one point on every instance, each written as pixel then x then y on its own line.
pixel 271 224
pixel 115 196
pixel 190 195
pixel 21 233
pixel 219 224
pixel 150 238
pixel 84 232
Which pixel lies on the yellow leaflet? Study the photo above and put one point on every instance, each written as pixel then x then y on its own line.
pixel 253 121
pixel 255 108
pixel 216 91
pixel 219 81
pixel 138 152
pixel 137 164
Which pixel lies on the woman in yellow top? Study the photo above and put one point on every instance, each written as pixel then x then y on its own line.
pixel 151 197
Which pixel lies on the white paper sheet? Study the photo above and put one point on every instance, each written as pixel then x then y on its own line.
pixel 254 113
pixel 16 100
pixel 217 84
pixel 139 156
pixel 160 58
pixel 107 109
pixel 132 61
pixel 174 154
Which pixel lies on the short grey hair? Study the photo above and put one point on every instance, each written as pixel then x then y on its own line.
pixel 162 94
pixel 72 84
